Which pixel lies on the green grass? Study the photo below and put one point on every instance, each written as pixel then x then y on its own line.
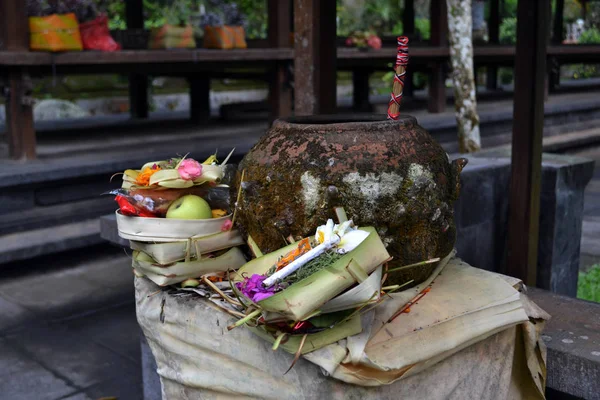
pixel 588 287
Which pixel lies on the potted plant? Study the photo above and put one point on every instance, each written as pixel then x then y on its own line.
pixel 226 32
pixel 364 40
pixel 177 32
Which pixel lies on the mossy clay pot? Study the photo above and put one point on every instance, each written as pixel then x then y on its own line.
pixel 388 174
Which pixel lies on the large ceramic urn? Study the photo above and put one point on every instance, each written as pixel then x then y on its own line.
pixel 388 174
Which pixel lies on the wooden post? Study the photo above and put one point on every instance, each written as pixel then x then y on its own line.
pixel 279 34
pixel 557 38
pixel 314 57
pixel 138 83
pixel 408 20
pixel 494 33
pixel 557 28
pixel 14 27
pixel 439 37
pixel 199 99
pixel 14 36
pixel 19 117
pixel 360 92
pixel 408 25
pixel 528 120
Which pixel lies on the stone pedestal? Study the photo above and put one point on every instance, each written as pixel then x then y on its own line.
pixel 481 216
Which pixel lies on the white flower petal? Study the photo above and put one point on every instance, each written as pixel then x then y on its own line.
pixel 328 230
pixel 351 240
pixel 344 228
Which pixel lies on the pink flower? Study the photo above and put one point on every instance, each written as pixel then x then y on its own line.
pixel 374 42
pixel 349 42
pixel 226 225
pixel 189 169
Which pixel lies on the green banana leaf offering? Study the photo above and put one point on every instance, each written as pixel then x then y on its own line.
pixel 192 248
pixel 177 272
pixel 305 298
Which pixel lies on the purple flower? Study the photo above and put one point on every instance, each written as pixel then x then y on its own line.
pixel 253 288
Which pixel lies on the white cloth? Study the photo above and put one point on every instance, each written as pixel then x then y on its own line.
pixel 469 337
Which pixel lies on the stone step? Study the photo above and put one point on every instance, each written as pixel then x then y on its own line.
pixel 54 239
pixel 48 216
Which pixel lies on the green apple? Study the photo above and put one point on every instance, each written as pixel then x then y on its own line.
pixel 189 207
pixel 190 282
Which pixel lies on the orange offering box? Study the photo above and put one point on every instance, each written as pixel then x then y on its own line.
pixel 225 37
pixel 55 33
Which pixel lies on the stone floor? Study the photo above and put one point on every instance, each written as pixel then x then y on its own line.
pixel 69 331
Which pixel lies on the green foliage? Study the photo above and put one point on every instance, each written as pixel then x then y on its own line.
pixel 584 71
pixel 175 12
pixel 508 31
pixel 381 16
pixel 506 75
pixel 572 11
pixel 510 9
pixel 590 36
pixel 423 28
pixel 588 286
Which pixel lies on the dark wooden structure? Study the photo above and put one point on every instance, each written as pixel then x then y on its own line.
pixel 526 174
pixel 314 62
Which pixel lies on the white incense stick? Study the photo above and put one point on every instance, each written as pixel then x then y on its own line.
pixel 300 261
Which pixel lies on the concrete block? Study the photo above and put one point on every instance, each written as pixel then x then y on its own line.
pixel 572 337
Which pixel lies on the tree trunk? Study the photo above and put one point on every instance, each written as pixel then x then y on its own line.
pixel 463 77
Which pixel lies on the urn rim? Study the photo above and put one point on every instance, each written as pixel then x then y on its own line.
pixel 334 122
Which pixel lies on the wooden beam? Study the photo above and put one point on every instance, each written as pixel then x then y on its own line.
pixel 408 19
pixel 138 95
pixel 134 14
pixel 439 37
pixel 19 116
pixel 314 57
pixel 17 87
pixel 360 92
pixel 14 27
pixel 436 103
pixel 279 36
pixel 438 16
pixel 557 38
pixel 138 82
pixel 494 33
pixel 494 23
pixel 199 98
pixel 557 28
pixel 528 120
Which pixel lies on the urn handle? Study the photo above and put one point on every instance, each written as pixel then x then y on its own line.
pixel 457 167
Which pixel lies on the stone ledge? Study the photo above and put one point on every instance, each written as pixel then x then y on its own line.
pixel 573 340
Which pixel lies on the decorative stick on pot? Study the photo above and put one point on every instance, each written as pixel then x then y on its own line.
pixel 398 87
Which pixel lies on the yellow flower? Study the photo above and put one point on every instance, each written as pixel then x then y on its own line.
pixel 143 179
pixel 218 213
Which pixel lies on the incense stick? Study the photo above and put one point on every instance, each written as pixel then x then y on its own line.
pixel 398 86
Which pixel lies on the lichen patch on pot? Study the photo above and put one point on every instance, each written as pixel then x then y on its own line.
pixel 372 186
pixel 311 187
